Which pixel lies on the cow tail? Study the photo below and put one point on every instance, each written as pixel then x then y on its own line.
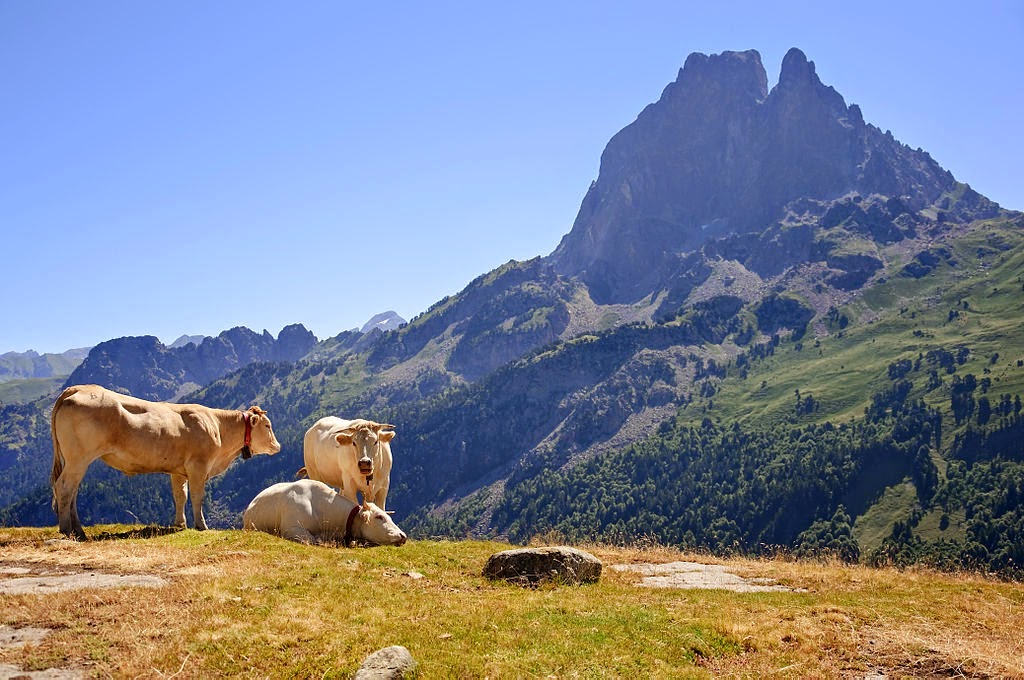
pixel 58 455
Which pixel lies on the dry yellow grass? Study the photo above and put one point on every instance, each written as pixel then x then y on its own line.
pixel 253 606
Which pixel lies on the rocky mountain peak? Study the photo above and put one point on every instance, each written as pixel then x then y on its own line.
pixel 385 321
pixel 796 69
pixel 718 155
pixel 738 73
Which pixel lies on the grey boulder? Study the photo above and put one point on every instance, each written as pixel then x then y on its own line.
pixel 530 566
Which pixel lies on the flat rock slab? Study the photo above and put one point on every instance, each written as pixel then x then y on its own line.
pixel 19 637
pixel 16 673
pixel 697 575
pixel 13 638
pixel 390 663
pixel 530 566
pixel 42 585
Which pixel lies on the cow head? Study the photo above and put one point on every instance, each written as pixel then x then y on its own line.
pixel 377 527
pixel 262 435
pixel 366 438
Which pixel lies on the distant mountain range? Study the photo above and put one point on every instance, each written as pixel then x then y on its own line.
pixel 30 364
pixel 771 326
pixel 145 367
pixel 186 339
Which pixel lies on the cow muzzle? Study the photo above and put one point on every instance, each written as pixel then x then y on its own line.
pixel 365 466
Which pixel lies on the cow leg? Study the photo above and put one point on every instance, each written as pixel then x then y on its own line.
pixel 197 489
pixel 298 534
pixel 66 496
pixel 349 489
pixel 179 489
pixel 381 497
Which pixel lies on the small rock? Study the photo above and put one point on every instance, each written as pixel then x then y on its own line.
pixel 530 566
pixel 390 663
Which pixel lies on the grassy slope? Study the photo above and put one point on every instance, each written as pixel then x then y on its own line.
pixel 25 390
pixel 899 319
pixel 248 604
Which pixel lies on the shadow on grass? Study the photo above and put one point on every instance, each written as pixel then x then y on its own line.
pixel 151 531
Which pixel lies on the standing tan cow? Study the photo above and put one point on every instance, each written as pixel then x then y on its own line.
pixel 190 442
pixel 353 455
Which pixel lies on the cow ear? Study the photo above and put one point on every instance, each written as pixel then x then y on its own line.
pixel 345 436
pixel 387 436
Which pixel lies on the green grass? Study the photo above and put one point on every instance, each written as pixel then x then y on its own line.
pixel 243 604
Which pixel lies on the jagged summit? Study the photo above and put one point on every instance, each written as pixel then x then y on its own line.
pixel 796 68
pixel 735 71
pixel 720 155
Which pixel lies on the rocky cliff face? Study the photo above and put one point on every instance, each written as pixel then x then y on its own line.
pixel 719 156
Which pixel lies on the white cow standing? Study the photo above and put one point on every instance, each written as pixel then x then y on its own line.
pixel 353 455
pixel 308 511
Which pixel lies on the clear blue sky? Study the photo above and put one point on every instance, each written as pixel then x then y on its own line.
pixel 184 167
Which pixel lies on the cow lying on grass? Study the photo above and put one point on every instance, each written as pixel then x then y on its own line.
pixel 308 511
pixel 190 442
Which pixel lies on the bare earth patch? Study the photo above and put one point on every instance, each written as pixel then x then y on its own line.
pixel 16 580
pixel 697 575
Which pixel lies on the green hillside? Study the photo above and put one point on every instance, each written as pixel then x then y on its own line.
pixel 976 304
pixel 901 406
pixel 25 390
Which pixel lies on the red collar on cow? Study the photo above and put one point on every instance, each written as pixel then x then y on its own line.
pixel 348 525
pixel 246 451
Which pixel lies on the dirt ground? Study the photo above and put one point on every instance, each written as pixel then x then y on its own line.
pixel 18 580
